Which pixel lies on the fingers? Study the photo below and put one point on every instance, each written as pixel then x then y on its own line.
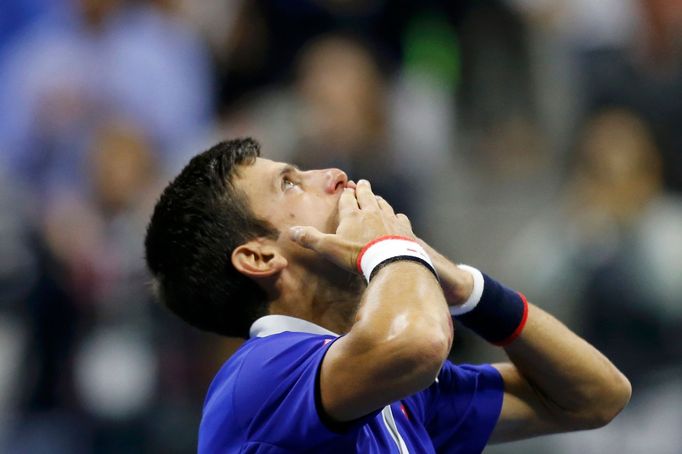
pixel 365 196
pixel 308 237
pixel 404 220
pixel 333 247
pixel 385 206
pixel 347 203
pixel 354 198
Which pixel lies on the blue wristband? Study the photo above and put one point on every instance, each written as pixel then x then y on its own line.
pixel 499 316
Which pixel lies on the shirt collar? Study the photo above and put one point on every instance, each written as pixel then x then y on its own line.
pixel 275 324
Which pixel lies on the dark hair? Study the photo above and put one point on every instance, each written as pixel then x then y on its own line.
pixel 200 218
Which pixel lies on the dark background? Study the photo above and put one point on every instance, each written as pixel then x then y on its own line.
pixel 540 141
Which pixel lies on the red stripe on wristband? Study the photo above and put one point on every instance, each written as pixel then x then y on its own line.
pixel 375 241
pixel 517 332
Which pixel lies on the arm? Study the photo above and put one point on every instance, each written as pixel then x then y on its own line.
pixel 556 381
pixel 396 347
pixel 402 333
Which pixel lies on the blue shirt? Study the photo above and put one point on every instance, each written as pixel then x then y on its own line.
pixel 265 399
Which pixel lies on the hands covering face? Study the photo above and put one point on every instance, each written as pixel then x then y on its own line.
pixel 363 216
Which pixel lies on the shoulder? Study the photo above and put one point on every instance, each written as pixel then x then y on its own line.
pixel 262 366
pixel 459 389
pixel 273 358
pixel 464 379
pixel 467 384
pixel 460 409
pixel 469 375
pixel 258 389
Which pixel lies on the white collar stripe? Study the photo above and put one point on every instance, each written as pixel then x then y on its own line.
pixel 275 324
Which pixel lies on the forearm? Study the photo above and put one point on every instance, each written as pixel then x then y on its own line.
pixel 396 347
pixel 404 303
pixel 556 381
pixel 576 381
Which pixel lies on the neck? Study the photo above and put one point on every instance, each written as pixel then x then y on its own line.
pixel 329 302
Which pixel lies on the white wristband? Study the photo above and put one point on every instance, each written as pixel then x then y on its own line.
pixel 387 247
pixel 476 293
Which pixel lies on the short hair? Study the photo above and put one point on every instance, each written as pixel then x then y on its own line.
pixel 200 218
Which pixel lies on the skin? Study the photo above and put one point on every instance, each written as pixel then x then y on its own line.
pixel 399 330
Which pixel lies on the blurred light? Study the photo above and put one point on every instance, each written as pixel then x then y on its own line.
pixel 115 373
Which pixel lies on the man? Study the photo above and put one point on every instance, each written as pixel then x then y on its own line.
pixel 338 362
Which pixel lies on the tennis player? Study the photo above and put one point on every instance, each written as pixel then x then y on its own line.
pixel 348 317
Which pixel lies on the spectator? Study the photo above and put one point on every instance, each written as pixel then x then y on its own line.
pixel 100 59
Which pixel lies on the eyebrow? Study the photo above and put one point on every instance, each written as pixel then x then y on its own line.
pixel 287 168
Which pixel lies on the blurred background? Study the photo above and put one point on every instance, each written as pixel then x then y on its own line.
pixel 540 140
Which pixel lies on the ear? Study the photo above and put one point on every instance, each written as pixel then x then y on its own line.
pixel 258 258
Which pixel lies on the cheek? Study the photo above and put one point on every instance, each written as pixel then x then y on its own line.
pixel 317 212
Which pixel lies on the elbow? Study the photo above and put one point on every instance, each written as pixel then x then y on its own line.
pixel 605 405
pixel 408 353
pixel 424 352
pixel 614 401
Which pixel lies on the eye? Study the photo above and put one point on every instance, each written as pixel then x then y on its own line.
pixel 288 183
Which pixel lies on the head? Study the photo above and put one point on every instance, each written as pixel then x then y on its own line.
pixel 343 93
pixel 122 165
pixel 619 168
pixel 214 244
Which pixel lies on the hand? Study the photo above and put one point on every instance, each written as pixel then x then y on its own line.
pixel 456 283
pixel 362 218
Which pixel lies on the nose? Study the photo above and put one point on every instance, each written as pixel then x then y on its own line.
pixel 335 180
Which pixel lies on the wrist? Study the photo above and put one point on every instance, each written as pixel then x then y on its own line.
pixel 495 312
pixel 388 249
pixel 471 293
pixel 457 284
pixel 460 286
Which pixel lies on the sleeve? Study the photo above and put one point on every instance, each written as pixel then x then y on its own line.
pixel 460 409
pixel 277 393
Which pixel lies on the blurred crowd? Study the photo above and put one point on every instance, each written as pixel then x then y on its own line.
pixel 539 140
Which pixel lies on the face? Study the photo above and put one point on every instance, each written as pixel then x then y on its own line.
pixel 286 196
